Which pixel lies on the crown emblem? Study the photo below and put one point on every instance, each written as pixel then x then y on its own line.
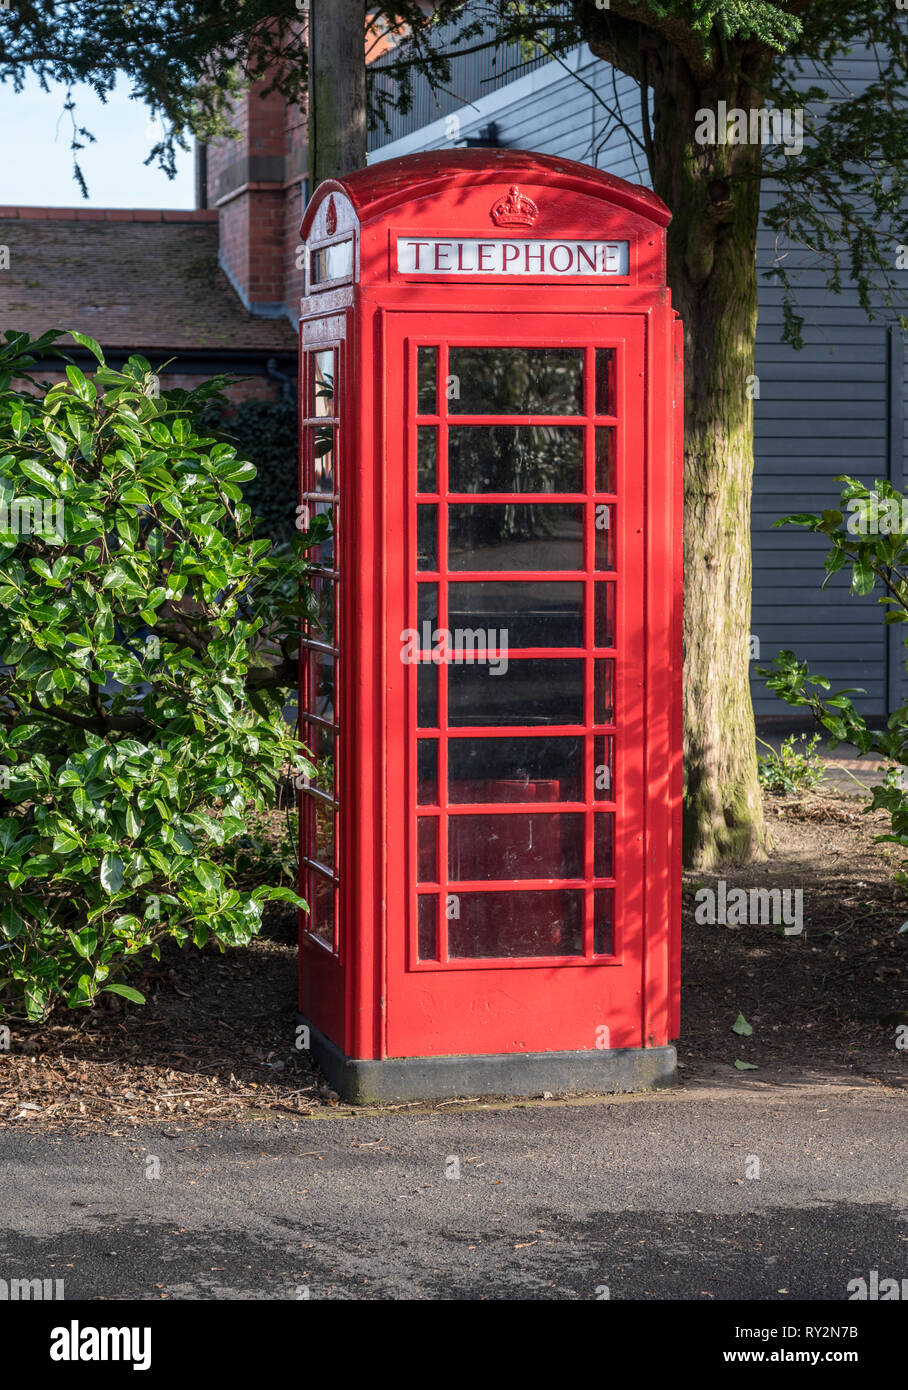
pixel 516 210
pixel 331 217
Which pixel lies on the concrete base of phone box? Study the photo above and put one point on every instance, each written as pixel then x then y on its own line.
pixel 365 1081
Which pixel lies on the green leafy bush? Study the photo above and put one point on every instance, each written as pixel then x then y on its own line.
pixel 144 663
pixel 789 770
pixel 873 540
pixel 266 433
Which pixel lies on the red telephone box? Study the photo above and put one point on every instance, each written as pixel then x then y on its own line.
pixel 491 416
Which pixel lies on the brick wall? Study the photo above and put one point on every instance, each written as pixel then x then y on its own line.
pixel 256 185
pixel 297 140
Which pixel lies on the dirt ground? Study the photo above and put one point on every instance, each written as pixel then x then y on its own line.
pixel 830 999
pixel 216 1039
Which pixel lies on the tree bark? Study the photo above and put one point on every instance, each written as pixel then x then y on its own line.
pixel 337 88
pixel 713 191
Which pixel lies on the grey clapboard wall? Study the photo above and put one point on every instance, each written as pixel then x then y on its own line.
pixel 834 407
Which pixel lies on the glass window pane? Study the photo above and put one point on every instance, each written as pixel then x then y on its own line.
pixel 332 262
pixel 518 536
pixel 603 780
pixel 426 371
pixel 516 381
pixel 427 771
pixel 515 458
pixel 427 696
pixel 426 436
pixel 324 685
pixel 426 612
pixel 531 923
pixel 605 381
pixel 321 625
pixel 536 845
pixel 604 691
pixel 605 536
pixel 604 617
pixel 324 459
pixel 427 926
pixel 328 608
pixel 534 613
pixel 323 553
pixel 494 770
pixel 321 907
pixel 320 742
pixel 323 383
pixel 427 849
pixel 427 537
pixel 530 691
pixel 323 849
pixel 603 927
pixel 603 844
pixel 605 458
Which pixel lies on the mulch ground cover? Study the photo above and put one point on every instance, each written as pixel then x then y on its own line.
pixel 216 1040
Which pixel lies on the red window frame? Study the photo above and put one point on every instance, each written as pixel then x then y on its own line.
pixel 313 644
pixel 589 805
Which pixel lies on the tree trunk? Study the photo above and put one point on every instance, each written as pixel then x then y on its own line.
pixel 713 191
pixel 337 88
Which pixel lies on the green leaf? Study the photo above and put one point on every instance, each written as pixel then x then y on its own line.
pixel 77 379
pixel 39 474
pixel 11 920
pixel 835 560
pixel 204 873
pixel 89 343
pixel 863 577
pixel 741 1026
pixel 284 895
pixel 126 992
pixel 112 873
pixel 746 1066
pixel 64 844
pixel 223 702
pixel 86 943
pixel 39 867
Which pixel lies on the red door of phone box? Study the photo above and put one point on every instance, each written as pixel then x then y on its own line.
pixel 491 394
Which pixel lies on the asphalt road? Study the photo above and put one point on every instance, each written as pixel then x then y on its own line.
pixel 648 1197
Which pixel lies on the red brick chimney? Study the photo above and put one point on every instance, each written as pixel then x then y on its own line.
pixel 257 183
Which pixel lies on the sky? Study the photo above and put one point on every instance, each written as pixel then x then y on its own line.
pixel 36 165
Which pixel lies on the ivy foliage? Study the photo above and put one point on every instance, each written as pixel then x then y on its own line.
pixel 145 656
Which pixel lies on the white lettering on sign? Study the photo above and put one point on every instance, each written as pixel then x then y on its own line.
pixel 436 256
